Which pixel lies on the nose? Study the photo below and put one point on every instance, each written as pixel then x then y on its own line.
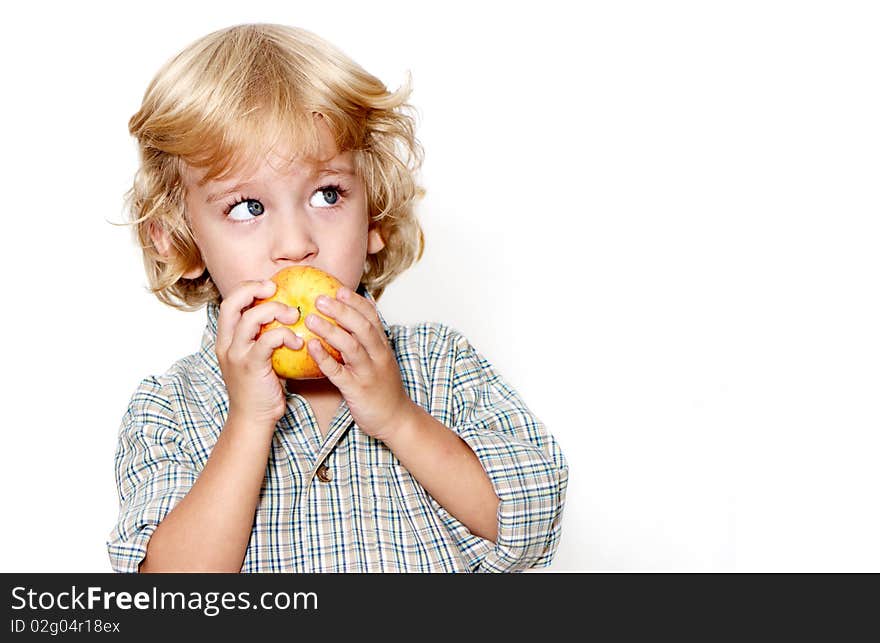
pixel 292 237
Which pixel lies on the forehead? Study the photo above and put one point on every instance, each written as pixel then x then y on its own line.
pixel 262 155
pixel 272 164
pixel 286 167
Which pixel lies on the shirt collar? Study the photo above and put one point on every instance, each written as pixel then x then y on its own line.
pixel 213 311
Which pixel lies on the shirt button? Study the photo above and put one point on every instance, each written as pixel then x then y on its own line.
pixel 324 473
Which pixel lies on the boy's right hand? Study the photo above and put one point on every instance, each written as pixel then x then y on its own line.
pixel 255 391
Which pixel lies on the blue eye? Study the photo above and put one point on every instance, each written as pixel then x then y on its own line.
pixel 330 194
pixel 245 209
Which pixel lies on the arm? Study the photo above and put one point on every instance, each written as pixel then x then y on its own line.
pixel 172 516
pixel 210 527
pixel 211 511
pixel 527 469
pixel 448 469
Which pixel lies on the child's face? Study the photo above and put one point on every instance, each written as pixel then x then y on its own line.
pixel 282 215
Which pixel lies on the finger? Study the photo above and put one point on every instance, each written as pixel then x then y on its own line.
pixel 335 372
pixel 254 318
pixel 363 305
pixel 231 308
pixel 352 320
pixel 352 351
pixel 263 348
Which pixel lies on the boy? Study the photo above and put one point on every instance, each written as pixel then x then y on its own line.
pixel 263 147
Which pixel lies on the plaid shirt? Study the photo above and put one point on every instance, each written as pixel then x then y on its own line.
pixel 344 503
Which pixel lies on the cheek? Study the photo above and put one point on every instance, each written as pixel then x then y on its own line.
pixel 356 244
pixel 228 267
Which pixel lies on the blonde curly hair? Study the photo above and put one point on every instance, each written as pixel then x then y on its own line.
pixel 225 100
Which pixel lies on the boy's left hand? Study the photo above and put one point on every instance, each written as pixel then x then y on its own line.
pixel 369 380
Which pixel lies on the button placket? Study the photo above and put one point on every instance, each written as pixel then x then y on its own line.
pixel 368 522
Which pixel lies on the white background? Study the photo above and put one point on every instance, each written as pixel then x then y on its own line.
pixel 658 220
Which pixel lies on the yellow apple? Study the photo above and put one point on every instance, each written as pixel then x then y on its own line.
pixel 299 287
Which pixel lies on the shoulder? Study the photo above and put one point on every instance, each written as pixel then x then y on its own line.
pixel 186 382
pixel 426 337
pixel 179 411
pixel 437 347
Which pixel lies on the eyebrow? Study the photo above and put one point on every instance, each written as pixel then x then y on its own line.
pixel 328 171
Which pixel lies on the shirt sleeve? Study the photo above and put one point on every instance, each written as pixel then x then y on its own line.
pixel 153 473
pixel 525 464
